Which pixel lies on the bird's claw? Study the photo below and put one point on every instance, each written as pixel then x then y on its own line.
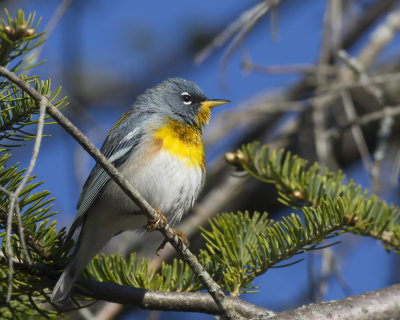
pixel 181 236
pixel 154 224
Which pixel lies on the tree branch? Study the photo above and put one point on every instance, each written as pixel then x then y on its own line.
pixel 169 301
pixel 380 304
pixel 213 288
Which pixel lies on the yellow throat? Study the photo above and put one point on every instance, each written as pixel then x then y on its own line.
pixel 182 141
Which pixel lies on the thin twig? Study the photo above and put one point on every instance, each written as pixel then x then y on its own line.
pixel 55 19
pixel 10 252
pixel 337 24
pixel 249 66
pixel 247 26
pixel 330 268
pixel 380 38
pixel 386 122
pixel 363 120
pixel 359 70
pixel 22 234
pixel 383 135
pixel 213 288
pixel 229 31
pixel 326 45
pixel 323 148
pixel 14 198
pixel 58 14
pixel 355 129
pixel 261 106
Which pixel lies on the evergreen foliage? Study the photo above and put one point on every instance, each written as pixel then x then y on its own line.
pixel 238 246
pixel 176 276
pixel 18 39
pixel 42 241
pixel 301 186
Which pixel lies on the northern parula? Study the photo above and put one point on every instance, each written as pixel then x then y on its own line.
pixel 157 147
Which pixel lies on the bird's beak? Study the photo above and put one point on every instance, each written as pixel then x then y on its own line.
pixel 211 103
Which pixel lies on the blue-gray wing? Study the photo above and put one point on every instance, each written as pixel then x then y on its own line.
pixel 117 148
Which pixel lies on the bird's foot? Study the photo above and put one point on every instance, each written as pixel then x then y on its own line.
pixel 153 224
pixel 178 233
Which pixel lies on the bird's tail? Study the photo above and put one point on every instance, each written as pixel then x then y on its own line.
pixel 65 283
pixel 90 241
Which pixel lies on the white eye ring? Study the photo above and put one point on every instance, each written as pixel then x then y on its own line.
pixel 186 98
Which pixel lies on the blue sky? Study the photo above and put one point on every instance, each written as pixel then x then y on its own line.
pixel 127 41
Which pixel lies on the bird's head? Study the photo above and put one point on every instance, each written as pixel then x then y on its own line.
pixel 183 101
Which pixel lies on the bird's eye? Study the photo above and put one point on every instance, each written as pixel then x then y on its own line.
pixel 186 98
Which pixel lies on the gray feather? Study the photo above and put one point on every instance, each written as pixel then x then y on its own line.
pixel 98 177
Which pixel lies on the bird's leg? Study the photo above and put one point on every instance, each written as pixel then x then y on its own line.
pixel 181 236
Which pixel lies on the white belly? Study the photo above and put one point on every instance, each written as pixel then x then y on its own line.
pixel 165 181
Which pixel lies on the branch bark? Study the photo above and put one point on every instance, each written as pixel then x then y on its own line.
pixel 382 304
pixel 170 301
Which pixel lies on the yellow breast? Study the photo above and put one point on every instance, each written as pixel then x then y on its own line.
pixel 182 141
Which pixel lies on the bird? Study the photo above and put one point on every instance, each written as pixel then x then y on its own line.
pixel 156 145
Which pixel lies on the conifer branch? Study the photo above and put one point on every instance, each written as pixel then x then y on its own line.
pixel 300 185
pixel 31 242
pixel 14 201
